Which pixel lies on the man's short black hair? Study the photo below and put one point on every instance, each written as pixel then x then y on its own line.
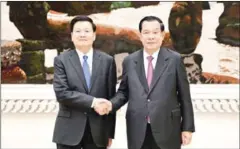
pixel 151 18
pixel 82 18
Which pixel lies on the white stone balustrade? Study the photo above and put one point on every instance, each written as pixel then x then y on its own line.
pixel 29 113
pixel 41 98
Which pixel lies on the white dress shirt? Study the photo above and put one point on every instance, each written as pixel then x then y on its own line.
pixel 89 60
pixel 154 61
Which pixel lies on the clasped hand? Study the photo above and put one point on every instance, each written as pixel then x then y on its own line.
pixel 102 106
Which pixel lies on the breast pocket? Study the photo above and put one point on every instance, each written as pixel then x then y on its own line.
pixel 168 73
pixel 169 79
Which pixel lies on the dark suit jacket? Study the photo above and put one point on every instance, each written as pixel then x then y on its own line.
pixel 75 99
pixel 167 102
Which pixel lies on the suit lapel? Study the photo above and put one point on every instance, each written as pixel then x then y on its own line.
pixel 140 70
pixel 95 66
pixel 161 65
pixel 74 59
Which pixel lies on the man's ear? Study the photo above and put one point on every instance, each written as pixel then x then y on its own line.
pixel 140 36
pixel 71 35
pixel 163 34
pixel 94 37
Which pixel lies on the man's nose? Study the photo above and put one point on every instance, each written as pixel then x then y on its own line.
pixel 82 34
pixel 150 39
pixel 151 36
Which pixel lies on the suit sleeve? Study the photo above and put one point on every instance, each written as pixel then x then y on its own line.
pixel 112 81
pixel 184 97
pixel 64 94
pixel 121 96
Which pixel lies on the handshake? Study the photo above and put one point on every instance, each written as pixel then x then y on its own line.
pixel 102 106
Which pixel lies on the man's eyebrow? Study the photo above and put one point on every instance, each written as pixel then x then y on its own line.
pixel 153 29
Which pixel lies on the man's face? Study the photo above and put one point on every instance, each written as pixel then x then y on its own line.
pixel 151 35
pixel 82 34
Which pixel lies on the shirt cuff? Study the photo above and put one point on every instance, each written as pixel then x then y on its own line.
pixel 93 103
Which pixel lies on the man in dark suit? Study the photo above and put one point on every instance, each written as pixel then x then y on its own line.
pixel 83 78
pixel 154 83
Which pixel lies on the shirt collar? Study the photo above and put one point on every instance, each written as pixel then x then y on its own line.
pixel 81 54
pixel 154 55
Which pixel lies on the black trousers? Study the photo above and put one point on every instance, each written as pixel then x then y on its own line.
pixel 149 142
pixel 86 142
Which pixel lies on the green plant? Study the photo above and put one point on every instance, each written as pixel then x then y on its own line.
pixel 117 5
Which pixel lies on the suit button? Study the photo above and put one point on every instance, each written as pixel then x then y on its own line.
pixel 148 100
pixel 85 113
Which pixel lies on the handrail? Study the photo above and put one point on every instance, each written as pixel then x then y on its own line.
pixel 41 98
